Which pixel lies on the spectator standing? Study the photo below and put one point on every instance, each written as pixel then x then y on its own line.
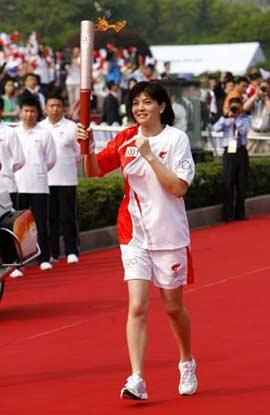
pixel 42 68
pixel 166 74
pixel 180 114
pixel 63 180
pixel 31 90
pixel 11 108
pixel 73 78
pixel 32 179
pixel 110 113
pixel 258 105
pixel 254 79
pixel 113 70
pixel 217 88
pixel 239 91
pixel 208 102
pixel 235 128
pixel 127 116
pixel 11 156
pixel 229 87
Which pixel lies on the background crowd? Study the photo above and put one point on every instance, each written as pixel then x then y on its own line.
pixel 34 78
pixel 35 68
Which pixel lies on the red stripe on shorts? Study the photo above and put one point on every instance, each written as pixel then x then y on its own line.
pixel 190 270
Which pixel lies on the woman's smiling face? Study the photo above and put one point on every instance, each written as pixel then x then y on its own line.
pixel 146 110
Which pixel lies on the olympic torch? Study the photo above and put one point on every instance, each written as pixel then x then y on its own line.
pixel 86 45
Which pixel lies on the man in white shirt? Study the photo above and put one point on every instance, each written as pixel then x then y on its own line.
pixel 11 156
pixel 32 179
pixel 63 180
pixel 12 159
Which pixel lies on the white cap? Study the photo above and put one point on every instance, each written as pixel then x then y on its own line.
pixel 265 74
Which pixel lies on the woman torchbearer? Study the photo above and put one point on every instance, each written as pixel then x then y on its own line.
pixel 157 165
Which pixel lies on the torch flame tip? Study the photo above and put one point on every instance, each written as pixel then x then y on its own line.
pixel 103 25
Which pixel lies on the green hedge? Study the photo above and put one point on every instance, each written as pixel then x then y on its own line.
pixel 99 199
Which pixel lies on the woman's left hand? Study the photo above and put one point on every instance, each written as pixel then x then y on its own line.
pixel 144 148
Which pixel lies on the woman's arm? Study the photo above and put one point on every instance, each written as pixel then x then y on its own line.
pixel 248 105
pixel 172 183
pixel 220 124
pixel 91 167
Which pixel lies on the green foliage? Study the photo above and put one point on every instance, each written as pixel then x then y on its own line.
pixel 99 199
pixel 158 21
pixel 206 189
pixel 259 183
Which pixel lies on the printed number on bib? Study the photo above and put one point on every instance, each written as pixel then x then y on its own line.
pixel 132 152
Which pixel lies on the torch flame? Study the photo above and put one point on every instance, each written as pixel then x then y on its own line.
pixel 103 25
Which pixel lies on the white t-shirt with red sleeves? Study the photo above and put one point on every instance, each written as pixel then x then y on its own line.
pixel 149 216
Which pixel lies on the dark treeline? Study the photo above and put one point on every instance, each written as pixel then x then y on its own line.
pixel 157 21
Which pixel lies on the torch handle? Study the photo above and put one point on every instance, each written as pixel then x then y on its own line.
pixel 84 116
pixel 87 45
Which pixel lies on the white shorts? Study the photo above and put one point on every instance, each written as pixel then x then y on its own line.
pixel 165 268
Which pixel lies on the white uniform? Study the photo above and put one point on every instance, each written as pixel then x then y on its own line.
pixel 65 171
pixel 63 179
pixel 11 156
pixel 40 154
pixel 150 218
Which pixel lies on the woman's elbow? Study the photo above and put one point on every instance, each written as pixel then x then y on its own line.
pixel 179 190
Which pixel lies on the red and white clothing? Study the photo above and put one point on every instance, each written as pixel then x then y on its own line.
pixel 149 216
pixel 166 268
pixel 11 156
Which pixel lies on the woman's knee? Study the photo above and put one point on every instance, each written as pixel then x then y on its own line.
pixel 174 309
pixel 137 309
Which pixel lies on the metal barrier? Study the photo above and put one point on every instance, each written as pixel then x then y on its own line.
pixel 258 143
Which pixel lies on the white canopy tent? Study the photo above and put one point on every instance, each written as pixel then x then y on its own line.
pixel 195 59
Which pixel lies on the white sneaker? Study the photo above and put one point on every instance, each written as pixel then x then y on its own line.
pixel 72 259
pixel 16 273
pixel 188 381
pixel 135 388
pixel 44 266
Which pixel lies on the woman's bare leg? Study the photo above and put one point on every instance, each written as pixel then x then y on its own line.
pixel 136 323
pixel 179 320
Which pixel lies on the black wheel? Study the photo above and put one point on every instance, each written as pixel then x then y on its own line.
pixel 2 289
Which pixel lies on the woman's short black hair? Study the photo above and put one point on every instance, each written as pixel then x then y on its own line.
pixel 156 91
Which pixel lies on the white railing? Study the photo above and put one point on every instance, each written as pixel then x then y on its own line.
pixel 211 139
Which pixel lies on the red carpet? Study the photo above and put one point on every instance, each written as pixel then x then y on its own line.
pixel 63 348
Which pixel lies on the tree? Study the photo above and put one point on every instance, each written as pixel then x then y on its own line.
pixel 157 21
